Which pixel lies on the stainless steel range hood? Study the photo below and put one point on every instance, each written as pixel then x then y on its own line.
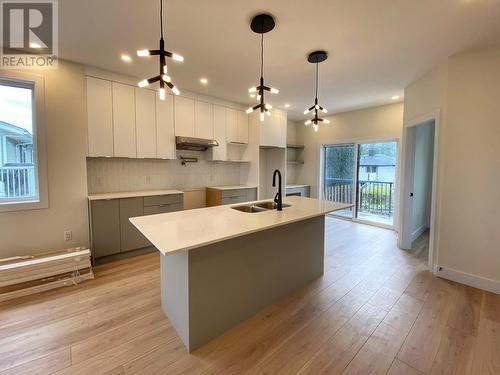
pixel 194 144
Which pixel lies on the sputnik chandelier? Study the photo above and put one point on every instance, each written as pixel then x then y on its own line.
pixel 261 24
pixel 163 77
pixel 315 58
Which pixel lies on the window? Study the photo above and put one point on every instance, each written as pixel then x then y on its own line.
pixel 22 148
pixel 371 169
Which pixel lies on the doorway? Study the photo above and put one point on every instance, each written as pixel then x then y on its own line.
pixel 418 187
pixel 362 174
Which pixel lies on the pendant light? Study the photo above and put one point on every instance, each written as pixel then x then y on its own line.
pixel 163 77
pixel 315 58
pixel 261 24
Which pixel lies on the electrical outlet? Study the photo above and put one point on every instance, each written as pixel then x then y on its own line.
pixel 68 235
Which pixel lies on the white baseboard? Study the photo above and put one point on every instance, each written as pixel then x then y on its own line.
pixel 468 279
pixel 416 233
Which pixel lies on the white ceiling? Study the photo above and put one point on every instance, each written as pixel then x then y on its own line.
pixel 376 47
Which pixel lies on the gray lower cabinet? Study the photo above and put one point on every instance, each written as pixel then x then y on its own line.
pixel 105 227
pixel 111 230
pixel 130 237
pixel 301 191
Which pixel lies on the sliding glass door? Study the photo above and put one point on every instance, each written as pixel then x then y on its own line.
pixel 339 168
pixel 363 174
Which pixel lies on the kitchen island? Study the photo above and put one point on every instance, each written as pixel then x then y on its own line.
pixel 220 265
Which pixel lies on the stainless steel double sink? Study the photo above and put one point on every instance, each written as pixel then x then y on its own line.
pixel 258 207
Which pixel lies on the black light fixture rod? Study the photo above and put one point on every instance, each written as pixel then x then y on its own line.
pixel 161 19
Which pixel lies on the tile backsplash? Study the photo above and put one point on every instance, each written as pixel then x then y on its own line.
pixel 121 174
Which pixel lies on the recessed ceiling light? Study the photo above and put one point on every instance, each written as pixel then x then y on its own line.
pixel 203 81
pixel 395 97
pixel 287 105
pixel 126 58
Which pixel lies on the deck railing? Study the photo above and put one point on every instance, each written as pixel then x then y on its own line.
pixel 17 181
pixel 375 197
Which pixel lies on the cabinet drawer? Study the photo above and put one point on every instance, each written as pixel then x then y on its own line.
pixel 233 200
pixel 162 209
pixel 233 193
pixel 158 200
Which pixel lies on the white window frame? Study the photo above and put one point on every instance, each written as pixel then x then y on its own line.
pixel 36 82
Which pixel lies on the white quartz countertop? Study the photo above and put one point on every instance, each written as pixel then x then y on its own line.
pixel 294 186
pixel 185 230
pixel 232 187
pixel 132 194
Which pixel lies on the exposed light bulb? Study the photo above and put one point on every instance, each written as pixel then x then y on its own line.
pixel 177 57
pixel 287 105
pixel 315 127
pixel 274 91
pixel 268 106
pixel 326 121
pixel 165 69
pixel 306 112
pixel 166 78
pixel 308 122
pixel 316 106
pixel 252 89
pixel 162 93
pixel 324 110
pixel 143 83
pixel 175 90
pixel 268 113
pixel 249 110
pixel 126 58
pixel 203 81
pixel 252 95
pixel 261 116
pixel 143 52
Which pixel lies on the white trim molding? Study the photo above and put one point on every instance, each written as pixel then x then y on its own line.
pixel 468 279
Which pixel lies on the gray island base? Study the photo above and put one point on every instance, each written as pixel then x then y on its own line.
pixel 209 289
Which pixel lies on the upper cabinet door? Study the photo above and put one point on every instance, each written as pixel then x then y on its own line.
pixel 145 121
pixel 219 152
pixel 242 120
pixel 203 120
pixel 165 133
pixel 267 130
pixel 231 125
pixel 184 116
pixel 281 120
pixel 99 117
pixel 124 120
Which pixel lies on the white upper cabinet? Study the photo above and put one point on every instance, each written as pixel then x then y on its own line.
pixel 165 132
pixel 184 116
pixel 203 120
pixel 145 121
pixel 231 125
pixel 124 120
pixel 273 129
pixel 242 120
pixel 219 116
pixel 236 126
pixel 99 117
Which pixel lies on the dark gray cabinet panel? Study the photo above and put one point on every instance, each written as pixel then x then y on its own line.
pixel 162 209
pixel 130 237
pixel 159 200
pixel 105 227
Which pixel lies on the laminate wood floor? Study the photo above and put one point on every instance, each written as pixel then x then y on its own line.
pixel 376 310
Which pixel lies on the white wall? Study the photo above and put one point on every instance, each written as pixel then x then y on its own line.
pixel 25 232
pixel 467 91
pixel 376 123
pixel 422 178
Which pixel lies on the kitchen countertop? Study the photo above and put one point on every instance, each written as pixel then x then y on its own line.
pixel 185 230
pixel 132 194
pixel 294 186
pixel 232 187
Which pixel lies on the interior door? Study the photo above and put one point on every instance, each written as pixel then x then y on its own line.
pixel 339 176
